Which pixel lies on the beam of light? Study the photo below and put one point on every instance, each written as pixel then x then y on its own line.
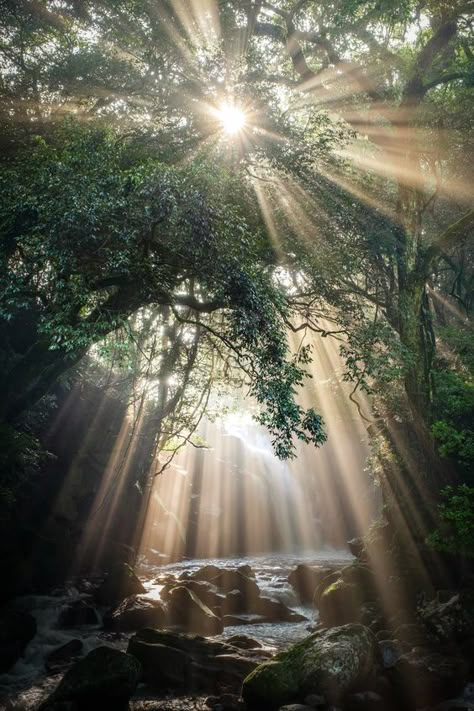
pixel 232 118
pixel 237 498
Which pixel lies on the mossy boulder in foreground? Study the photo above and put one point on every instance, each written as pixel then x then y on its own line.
pixel 105 679
pixel 330 662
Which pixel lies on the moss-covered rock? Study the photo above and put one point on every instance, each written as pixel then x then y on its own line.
pixel 330 662
pixel 340 604
pixel 105 679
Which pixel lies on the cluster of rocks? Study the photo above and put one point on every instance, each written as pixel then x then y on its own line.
pixel 421 651
pixel 170 645
pixel 201 603
pixel 374 649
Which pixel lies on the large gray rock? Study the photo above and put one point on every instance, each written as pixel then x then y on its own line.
pixel 105 679
pixel 186 611
pixel 330 662
pixel 228 580
pixel 16 630
pixel 205 591
pixel 134 613
pixel 191 663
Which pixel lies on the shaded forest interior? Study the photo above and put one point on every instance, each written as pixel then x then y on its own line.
pixel 236 350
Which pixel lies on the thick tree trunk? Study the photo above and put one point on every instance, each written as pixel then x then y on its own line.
pixel 416 335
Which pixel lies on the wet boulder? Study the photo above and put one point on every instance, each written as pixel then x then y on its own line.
pixel 77 614
pixel 328 580
pixel 331 662
pixel 363 577
pixel 191 663
pixel 186 611
pixel 16 630
pixel 136 612
pixel 229 580
pixel 340 604
pixel 63 656
pixel 304 579
pixel 205 591
pixel 105 678
pixel 276 611
pixel 121 582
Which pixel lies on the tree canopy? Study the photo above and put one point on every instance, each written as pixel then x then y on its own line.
pixel 344 200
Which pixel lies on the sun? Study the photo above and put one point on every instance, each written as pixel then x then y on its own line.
pixel 232 118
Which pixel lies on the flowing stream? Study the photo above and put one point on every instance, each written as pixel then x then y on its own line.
pixel 28 683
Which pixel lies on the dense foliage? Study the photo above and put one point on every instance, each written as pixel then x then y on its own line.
pixel 344 207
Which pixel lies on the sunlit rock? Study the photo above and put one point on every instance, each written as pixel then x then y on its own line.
pixel 16 630
pixel 229 580
pixel 331 662
pixel 324 584
pixel 136 612
pixel 340 604
pixel 205 591
pixel 121 582
pixel 185 610
pixel 106 679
